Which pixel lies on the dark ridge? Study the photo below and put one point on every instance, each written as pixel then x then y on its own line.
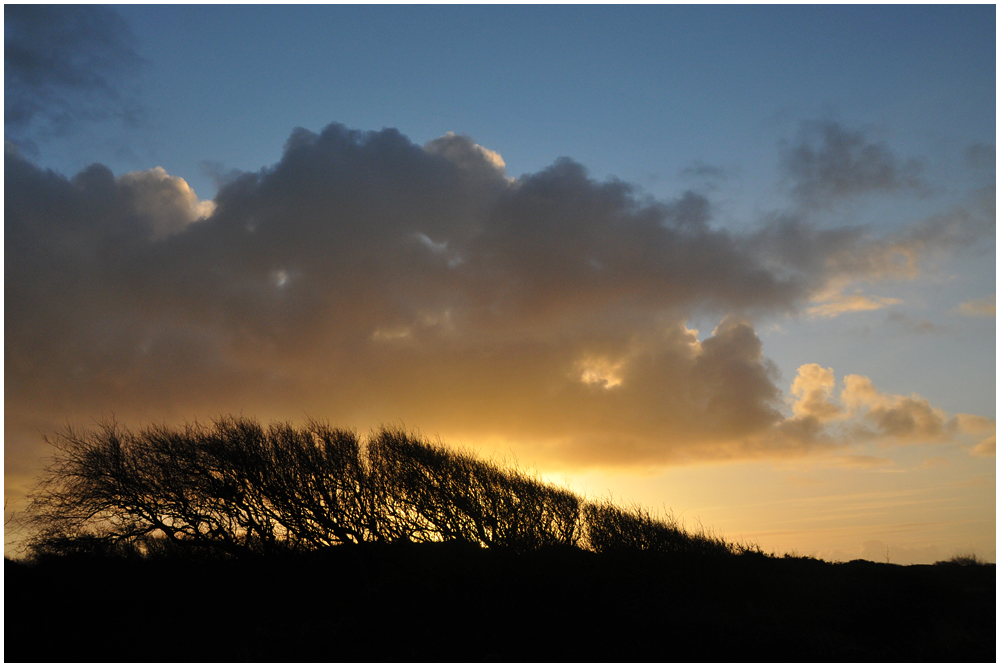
pixel 451 602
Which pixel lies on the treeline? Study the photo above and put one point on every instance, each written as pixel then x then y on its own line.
pixel 239 488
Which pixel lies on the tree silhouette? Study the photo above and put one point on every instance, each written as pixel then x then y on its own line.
pixel 330 520
pixel 239 488
pixel 612 528
pixel 439 494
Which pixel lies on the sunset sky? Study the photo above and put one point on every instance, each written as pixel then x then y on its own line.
pixel 737 263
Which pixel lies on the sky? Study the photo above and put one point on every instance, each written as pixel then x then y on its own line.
pixel 733 263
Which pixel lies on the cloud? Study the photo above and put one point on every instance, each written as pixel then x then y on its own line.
pixel 982 158
pixel 365 273
pixel 830 259
pixel 902 418
pixel 219 173
pixel 167 202
pixel 467 154
pixel 975 424
pixel 845 164
pixel 838 304
pixel 980 426
pixel 984 307
pixel 813 388
pixel 832 264
pixel 64 64
pixel 864 413
pixel 365 278
pixel 701 171
pixel 987 447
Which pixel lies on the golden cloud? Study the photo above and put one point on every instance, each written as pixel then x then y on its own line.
pixel 975 424
pixel 984 307
pixel 987 447
pixel 813 387
pixel 833 305
pixel 905 418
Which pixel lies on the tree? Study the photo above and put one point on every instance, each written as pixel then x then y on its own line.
pixel 239 488
pixel 232 486
pixel 436 493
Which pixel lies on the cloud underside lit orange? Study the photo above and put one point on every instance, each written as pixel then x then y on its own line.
pixel 367 278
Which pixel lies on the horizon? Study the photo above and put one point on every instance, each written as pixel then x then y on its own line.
pixel 735 263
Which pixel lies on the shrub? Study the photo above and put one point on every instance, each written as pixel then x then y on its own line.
pixel 965 560
pixel 612 528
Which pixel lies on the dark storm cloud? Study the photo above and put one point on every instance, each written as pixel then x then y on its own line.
pixel 220 174
pixel 831 162
pixel 64 64
pixel 364 277
pixel 363 269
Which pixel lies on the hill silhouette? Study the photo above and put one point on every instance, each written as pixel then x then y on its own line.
pixel 235 542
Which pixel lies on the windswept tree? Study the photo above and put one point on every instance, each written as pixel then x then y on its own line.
pixel 613 528
pixel 313 483
pixel 232 486
pixel 239 488
pixel 432 491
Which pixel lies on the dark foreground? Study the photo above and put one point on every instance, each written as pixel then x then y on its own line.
pixel 448 602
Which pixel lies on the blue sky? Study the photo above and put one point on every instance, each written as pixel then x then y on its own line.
pixel 845 152
pixel 634 92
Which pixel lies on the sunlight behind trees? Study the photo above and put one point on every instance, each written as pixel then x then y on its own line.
pixel 241 489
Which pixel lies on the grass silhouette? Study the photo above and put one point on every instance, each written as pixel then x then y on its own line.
pixel 232 541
